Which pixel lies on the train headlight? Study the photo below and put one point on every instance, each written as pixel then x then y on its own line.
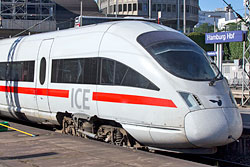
pixel 192 101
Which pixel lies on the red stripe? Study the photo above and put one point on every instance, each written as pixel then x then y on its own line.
pixel 132 99
pixel 36 91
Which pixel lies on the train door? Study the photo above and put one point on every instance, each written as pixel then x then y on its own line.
pixel 42 75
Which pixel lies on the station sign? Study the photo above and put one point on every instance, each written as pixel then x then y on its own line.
pixel 212 53
pixel 225 37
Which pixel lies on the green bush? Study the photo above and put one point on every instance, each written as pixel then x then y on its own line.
pixel 234 50
pixel 199 38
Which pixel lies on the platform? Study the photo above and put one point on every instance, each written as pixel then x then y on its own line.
pixel 245 114
pixel 52 149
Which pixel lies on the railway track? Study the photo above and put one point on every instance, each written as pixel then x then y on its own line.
pixel 207 160
pixel 223 163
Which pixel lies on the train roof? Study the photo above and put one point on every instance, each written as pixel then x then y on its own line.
pixel 126 29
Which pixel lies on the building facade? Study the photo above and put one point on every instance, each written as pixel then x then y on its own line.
pixel 168 9
pixel 41 15
pixel 221 13
pixel 19 15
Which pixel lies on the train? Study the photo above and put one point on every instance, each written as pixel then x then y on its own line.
pixel 130 83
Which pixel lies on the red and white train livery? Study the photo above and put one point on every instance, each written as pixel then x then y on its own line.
pixel 128 83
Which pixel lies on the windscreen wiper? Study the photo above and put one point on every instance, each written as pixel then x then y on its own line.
pixel 216 78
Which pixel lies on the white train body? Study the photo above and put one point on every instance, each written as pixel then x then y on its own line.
pixel 106 70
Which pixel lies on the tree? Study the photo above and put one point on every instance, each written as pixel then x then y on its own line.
pixel 232 27
pixel 199 38
pixel 204 28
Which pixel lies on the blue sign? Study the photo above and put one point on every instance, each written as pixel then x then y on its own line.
pixel 212 53
pixel 224 37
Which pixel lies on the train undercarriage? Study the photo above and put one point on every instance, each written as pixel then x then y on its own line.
pixel 95 128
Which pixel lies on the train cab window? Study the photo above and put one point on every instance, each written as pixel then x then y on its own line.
pixel 178 55
pixel 17 71
pixel 42 71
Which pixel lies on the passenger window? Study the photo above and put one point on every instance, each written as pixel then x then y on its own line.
pixel 17 71
pixel 90 71
pixel 97 71
pixel 80 71
pixel 28 71
pixel 107 72
pixel 133 78
pixel 67 71
pixel 120 73
pixel 42 71
pixel 3 71
pixel 126 76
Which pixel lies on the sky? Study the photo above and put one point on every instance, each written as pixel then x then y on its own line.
pixel 213 4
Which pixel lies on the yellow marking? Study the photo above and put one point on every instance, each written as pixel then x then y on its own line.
pixel 18 130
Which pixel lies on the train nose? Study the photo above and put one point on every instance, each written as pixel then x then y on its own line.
pixel 213 127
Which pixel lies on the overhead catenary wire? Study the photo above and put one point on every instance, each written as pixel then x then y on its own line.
pixel 237 14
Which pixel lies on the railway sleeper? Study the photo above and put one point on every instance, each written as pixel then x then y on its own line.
pixel 99 129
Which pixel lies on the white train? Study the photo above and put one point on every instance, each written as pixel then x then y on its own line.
pixel 128 83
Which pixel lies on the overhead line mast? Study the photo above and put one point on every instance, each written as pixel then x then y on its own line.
pixel 245 96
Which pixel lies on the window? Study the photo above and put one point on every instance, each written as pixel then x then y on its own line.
pixel 91 70
pixel 114 8
pixel 169 8
pixel 187 8
pixel 120 72
pixel 158 7
pixel 67 71
pixel 145 7
pixel 163 8
pixel 125 7
pixel 17 71
pixel 116 73
pixel 107 72
pixel 173 8
pixel 154 8
pixel 42 71
pixel 81 71
pixel 98 71
pixel 134 7
pixel 140 6
pixel 196 11
pixel 129 7
pixel 120 7
pixel 177 55
pixel 3 69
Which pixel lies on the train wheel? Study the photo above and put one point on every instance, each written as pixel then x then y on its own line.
pixel 114 135
pixel 68 126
